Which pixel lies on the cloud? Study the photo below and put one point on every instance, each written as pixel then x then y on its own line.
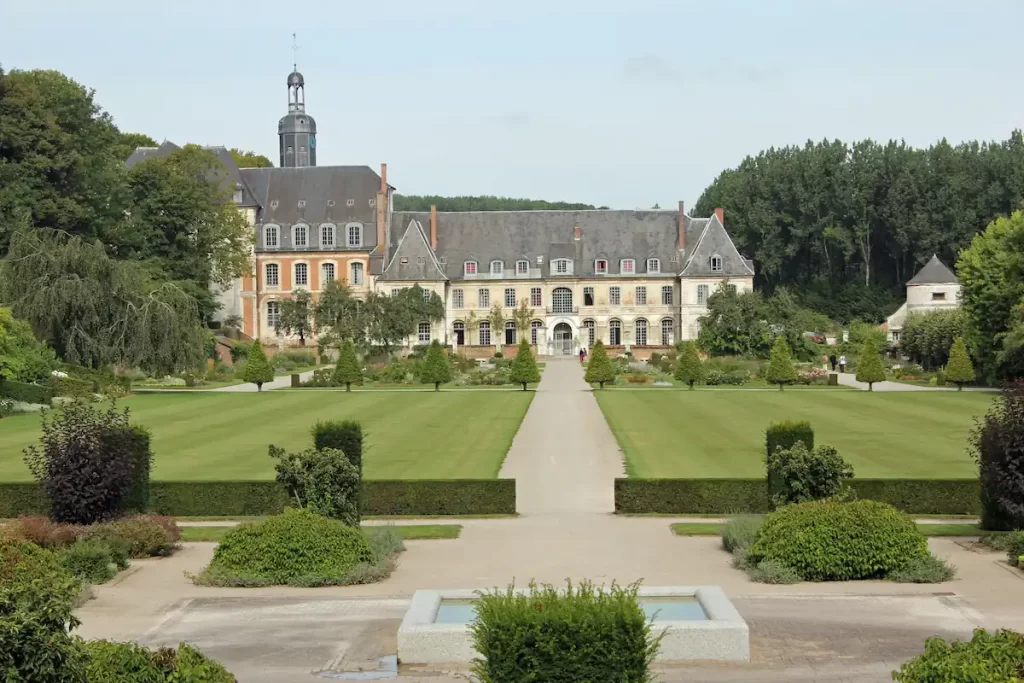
pixel 515 119
pixel 652 68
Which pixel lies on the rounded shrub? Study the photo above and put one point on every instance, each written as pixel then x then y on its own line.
pixel 835 541
pixel 89 560
pixel 110 662
pixel 295 545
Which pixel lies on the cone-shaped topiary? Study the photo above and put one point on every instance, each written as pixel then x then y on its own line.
pixel 959 369
pixel 600 368
pixel 257 367
pixel 524 366
pixel 347 370
pixel 435 368
pixel 780 367
pixel 869 367
pixel 689 368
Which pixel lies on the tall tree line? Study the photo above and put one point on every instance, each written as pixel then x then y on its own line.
pixel 848 224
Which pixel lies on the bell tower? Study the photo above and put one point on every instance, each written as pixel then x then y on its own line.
pixel 296 130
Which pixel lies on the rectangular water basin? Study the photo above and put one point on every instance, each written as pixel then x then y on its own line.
pixel 698 622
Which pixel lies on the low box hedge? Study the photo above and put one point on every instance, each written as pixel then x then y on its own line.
pixel 25 392
pixel 733 496
pixel 381 497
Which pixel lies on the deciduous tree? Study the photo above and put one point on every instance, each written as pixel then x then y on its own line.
pixel 258 370
pixel 689 368
pixel 600 368
pixel 296 315
pixel 246 159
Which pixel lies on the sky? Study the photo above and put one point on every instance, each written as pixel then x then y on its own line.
pixel 622 103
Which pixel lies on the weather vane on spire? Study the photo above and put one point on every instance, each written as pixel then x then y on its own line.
pixel 295 53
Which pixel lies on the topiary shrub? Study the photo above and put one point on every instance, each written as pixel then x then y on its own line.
pixel 581 633
pixel 524 366
pixel 257 369
pixel 800 474
pixel 343 435
pixel 435 368
pixel 836 541
pixel 689 368
pixel 780 368
pixel 110 662
pixel 986 657
pixel 295 546
pixel 322 481
pixel 347 371
pixel 998 446
pixel 600 368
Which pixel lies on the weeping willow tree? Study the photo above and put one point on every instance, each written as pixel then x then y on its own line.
pixel 95 310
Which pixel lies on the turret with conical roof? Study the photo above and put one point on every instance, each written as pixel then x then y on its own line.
pixel 297 130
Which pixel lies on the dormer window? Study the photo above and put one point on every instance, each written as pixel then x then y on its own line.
pixel 497 267
pixel 354 232
pixel 716 264
pixel 627 266
pixel 300 235
pixel 327 235
pixel 653 265
pixel 522 267
pixel 469 268
pixel 601 266
pixel 270 236
pixel 561 266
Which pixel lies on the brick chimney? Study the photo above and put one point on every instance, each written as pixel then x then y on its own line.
pixel 577 233
pixel 433 227
pixel 382 212
pixel 681 227
pixel 720 214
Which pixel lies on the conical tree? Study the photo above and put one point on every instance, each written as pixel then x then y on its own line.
pixel 959 369
pixel 600 368
pixel 524 366
pixel 689 368
pixel 780 367
pixel 347 370
pixel 257 367
pixel 869 367
pixel 435 368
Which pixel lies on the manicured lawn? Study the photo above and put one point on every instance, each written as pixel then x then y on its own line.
pixel 721 434
pixel 224 436
pixel 410 532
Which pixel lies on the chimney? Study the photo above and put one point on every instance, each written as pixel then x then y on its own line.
pixel 720 215
pixel 576 233
pixel 382 213
pixel 384 178
pixel 433 227
pixel 681 227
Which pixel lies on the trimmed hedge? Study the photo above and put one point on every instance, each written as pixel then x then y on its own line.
pixel 732 496
pixel 25 392
pixel 421 497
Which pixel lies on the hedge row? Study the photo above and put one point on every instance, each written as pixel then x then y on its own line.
pixel 731 496
pixel 421 497
pixel 25 393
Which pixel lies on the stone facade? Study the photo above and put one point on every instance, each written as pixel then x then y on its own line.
pixel 934 288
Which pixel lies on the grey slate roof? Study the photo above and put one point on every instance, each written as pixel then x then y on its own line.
pixel 229 175
pixel 142 153
pixel 413 259
pixel 934 272
pixel 714 241
pixel 485 236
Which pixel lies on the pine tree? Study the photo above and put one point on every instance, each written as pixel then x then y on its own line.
pixel 348 370
pixel 524 366
pixel 780 367
pixel 435 368
pixel 869 367
pixel 257 367
pixel 689 368
pixel 600 368
pixel 959 370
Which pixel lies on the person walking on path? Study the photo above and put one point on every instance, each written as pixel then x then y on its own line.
pixel 842 363
pixel 832 360
pixel 583 354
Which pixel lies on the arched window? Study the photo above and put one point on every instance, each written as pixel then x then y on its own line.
pixel 561 300
pixel 357 272
pixel 469 268
pixel 614 333
pixel 485 333
pixel 667 327
pixel 354 235
pixel 535 328
pixel 510 332
pixel 497 267
pixel 301 275
pixel 273 314
pixel 561 266
pixel 270 237
pixel 300 235
pixel 522 267
pixel 273 275
pixel 327 235
pixel 423 333
pixel 641 332
pixel 716 264
pixel 327 274
pixel 589 331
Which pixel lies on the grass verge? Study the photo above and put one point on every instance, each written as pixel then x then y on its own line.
pixel 411 532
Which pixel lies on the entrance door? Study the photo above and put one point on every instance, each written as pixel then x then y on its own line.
pixel 460 333
pixel 563 339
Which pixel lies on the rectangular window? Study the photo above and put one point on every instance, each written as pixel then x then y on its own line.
pixel 666 295
pixel 300 235
pixel 938 296
pixel 641 296
pixel 270 236
pixel 510 297
pixel 483 298
pixel 273 314
pixel 355 235
pixel 536 298
pixel 426 295
pixel 423 333
pixel 702 294
pixel 497 267
pixel 588 296
pixel 666 332
pixel 653 265
pixel 357 273
pixel 326 235
pixel 561 266
pixel 627 266
pixel 614 296
pixel 301 275
pixel 328 273
pixel 522 267
pixel 485 333
pixel 273 275
pixel 457 298
pixel 469 267
pixel 601 266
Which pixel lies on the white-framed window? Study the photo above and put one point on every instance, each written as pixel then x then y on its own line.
pixel 300 235
pixel 459 328
pixel 423 333
pixel 627 266
pixel 653 265
pixel 641 296
pixel 560 266
pixel 702 294
pixel 301 275
pixel 510 332
pixel 667 327
pixel 458 298
pixel 354 232
pixel 270 240
pixel 485 333
pixel 426 295
pixel 716 264
pixel 327 235
pixel 614 296
pixel 273 272
pixel 483 298
pixel 601 266
pixel 588 296
pixel 356 268
pixel 522 267
pixel 614 332
pixel 535 328
pixel 666 295
pixel 327 273
pixel 510 297
pixel 641 332
pixel 273 314
pixel 589 331
pixel 536 296
pixel 469 268
pixel 497 267
pixel 561 300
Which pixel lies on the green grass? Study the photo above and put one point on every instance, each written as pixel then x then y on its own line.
pixel 712 529
pixel 409 532
pixel 681 434
pixel 222 436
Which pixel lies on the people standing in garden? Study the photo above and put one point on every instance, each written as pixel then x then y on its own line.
pixel 832 359
pixel 583 354
pixel 842 363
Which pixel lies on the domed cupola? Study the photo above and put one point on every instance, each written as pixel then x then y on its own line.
pixel 297 130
